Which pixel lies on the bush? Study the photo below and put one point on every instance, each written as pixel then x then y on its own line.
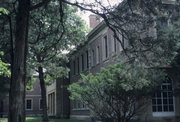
pixel 118 92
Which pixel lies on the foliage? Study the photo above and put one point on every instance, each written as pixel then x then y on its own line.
pixel 4 77
pixel 174 35
pixel 117 92
pixel 137 23
pixel 4 71
pixel 50 33
pixel 4 11
pixel 49 37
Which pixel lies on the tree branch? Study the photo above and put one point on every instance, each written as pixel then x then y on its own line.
pixel 42 3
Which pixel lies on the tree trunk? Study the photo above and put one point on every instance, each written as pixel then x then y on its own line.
pixel 18 75
pixel 43 94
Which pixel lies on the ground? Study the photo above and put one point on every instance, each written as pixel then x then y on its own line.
pixel 38 119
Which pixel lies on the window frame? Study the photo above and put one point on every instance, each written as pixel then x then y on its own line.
pixel 78 66
pixel 40 104
pixel 74 67
pixel 87 59
pixel 106 46
pixel 31 103
pixel 98 54
pixel 165 94
pixel 82 62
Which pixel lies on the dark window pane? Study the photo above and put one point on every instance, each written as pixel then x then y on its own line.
pixel 79 105
pixel 159 101
pixel 74 67
pixel 171 108
pixel 40 104
pixel 153 101
pixel 154 108
pixel 159 108
pixel 159 94
pixel 82 62
pixel 164 87
pixel 165 101
pixel 106 46
pixel 170 94
pixel 170 87
pixel 78 65
pixel 28 104
pixel 171 101
pixel 164 94
pixel 165 108
pixel 87 59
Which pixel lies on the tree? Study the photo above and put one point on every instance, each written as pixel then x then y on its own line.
pixel 21 10
pixel 19 13
pixel 49 36
pixel 118 92
pixel 138 21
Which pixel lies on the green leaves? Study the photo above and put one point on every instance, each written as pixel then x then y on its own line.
pixel 4 71
pixel 4 11
pixel 116 88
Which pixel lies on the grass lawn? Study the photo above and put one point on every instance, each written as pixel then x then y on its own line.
pixel 38 119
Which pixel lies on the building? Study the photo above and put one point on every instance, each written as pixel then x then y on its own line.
pixel 101 50
pixel 33 102
pixel 33 105
pixel 58 99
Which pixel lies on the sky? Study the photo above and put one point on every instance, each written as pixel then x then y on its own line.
pixel 85 15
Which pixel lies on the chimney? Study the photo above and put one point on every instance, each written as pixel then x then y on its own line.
pixel 94 20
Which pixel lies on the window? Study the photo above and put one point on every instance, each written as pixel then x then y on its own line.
pixel 115 43
pixel 82 59
pixel 51 103
pixel 78 65
pixel 163 99
pixel 40 104
pixel 121 41
pixel 28 104
pixel 77 105
pixel 74 67
pixel 93 58
pixel 98 54
pixel 87 59
pixel 106 46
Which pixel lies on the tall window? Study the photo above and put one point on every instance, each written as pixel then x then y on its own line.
pixel 87 59
pixel 93 58
pixel 82 60
pixel 98 54
pixel 106 46
pixel 40 104
pixel 28 104
pixel 78 105
pixel 78 65
pixel 51 103
pixel 74 67
pixel 163 99
pixel 115 43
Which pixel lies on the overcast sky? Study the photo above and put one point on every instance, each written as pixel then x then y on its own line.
pixel 85 14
